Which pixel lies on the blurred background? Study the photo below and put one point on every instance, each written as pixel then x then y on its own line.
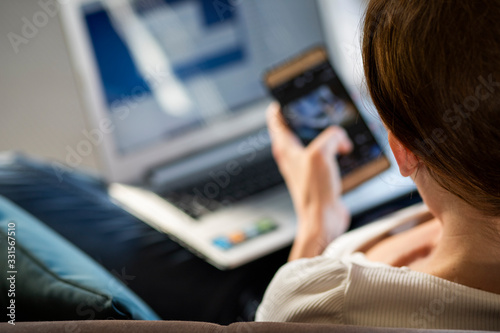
pixel 39 100
pixel 41 104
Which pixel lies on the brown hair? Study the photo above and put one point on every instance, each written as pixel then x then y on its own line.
pixel 432 69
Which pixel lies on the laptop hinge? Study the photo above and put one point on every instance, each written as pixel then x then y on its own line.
pixel 198 167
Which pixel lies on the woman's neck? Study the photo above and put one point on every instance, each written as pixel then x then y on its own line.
pixel 468 250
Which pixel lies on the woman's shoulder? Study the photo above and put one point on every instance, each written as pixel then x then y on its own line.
pixel 299 282
pixel 356 291
pixel 317 289
pixel 342 286
pixel 294 290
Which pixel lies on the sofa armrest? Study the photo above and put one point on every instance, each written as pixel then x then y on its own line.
pixel 118 326
pixel 51 279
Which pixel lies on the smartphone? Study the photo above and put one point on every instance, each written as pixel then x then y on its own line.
pixel 312 98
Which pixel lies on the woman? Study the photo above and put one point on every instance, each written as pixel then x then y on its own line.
pixel 433 71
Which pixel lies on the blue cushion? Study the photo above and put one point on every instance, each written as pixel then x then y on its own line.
pixel 54 280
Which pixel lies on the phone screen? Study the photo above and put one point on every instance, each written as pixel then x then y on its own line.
pixel 315 99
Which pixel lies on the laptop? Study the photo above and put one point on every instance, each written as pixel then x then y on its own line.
pixel 173 89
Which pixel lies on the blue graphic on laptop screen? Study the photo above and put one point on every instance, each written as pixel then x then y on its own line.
pixel 173 66
pixel 118 71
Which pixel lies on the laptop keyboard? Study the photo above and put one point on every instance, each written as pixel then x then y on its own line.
pixel 212 194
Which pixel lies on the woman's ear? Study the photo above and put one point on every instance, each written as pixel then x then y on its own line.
pixel 407 161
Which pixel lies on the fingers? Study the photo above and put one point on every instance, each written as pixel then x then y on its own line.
pixel 279 132
pixel 332 141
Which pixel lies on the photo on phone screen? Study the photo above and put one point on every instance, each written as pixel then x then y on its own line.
pixel 312 98
pixel 319 109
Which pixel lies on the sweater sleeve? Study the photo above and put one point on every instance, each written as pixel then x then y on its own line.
pixel 306 290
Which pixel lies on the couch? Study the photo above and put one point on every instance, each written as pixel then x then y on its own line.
pixel 115 326
pixel 52 286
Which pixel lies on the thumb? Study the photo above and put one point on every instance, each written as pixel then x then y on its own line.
pixel 279 132
pixel 332 141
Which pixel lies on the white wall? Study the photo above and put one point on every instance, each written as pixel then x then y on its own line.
pixel 40 110
pixel 342 21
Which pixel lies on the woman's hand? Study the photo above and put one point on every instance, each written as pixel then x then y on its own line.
pixel 312 176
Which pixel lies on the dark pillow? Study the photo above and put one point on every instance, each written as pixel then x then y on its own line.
pixel 51 279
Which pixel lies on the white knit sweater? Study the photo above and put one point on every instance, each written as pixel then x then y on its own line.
pixel 342 286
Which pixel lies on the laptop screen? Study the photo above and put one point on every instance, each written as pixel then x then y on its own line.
pixel 170 67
